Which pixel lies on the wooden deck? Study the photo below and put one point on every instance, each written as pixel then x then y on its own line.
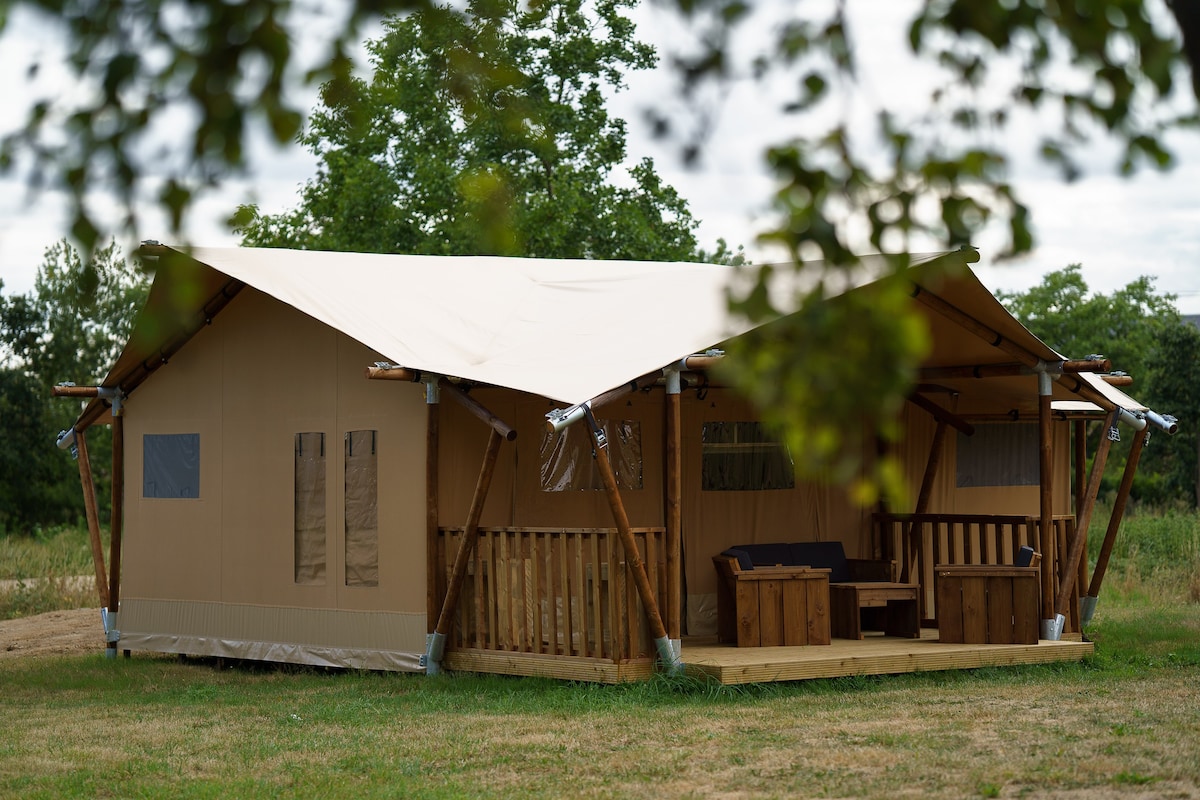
pixel 875 654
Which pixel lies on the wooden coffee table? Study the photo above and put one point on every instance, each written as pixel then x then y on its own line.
pixel 902 617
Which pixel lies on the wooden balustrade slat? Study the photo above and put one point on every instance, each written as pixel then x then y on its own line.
pixel 553 591
pixel 924 541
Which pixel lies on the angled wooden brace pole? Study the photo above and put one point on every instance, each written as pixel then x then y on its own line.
pixel 931 469
pixel 107 586
pixel 93 517
pixel 1088 604
pixel 1080 444
pixel 944 419
pixel 436 646
pixel 633 558
pixel 1070 567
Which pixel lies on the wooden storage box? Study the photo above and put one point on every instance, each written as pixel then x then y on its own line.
pixel 987 604
pixel 772 606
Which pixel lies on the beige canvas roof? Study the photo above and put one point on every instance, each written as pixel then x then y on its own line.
pixel 568 330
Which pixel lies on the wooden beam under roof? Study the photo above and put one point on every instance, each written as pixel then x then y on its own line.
pixel 1011 369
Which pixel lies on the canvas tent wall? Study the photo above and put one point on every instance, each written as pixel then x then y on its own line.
pixel 259 355
pixel 216 573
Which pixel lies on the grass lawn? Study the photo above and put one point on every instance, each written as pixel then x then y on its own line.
pixel 1124 723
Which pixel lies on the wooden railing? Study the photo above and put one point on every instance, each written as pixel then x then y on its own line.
pixel 554 592
pixel 919 542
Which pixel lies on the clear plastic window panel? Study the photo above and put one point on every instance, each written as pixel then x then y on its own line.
pixel 362 509
pixel 566 457
pixel 743 456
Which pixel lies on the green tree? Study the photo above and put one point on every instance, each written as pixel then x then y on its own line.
pixel 1141 331
pixel 1126 326
pixel 485 133
pixel 1174 385
pixel 70 327
pixel 36 486
pixel 1110 70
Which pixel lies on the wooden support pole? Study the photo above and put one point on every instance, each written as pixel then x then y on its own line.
pixel 1114 522
pixel 473 405
pixel 942 415
pixel 75 391
pixel 1080 443
pixel 1087 365
pixel 701 362
pixel 931 468
pixel 118 507
pixel 934 461
pixel 1080 431
pixel 93 516
pixel 470 534
pixel 1022 367
pixel 1046 495
pixel 432 563
pixel 674 515
pixel 632 557
pixel 392 374
pixel 1070 567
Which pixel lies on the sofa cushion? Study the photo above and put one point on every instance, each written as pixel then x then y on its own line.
pixel 822 555
pixel 743 558
pixel 768 554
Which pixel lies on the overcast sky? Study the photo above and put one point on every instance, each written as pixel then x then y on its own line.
pixel 1118 229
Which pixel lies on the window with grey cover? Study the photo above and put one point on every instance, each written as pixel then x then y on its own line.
pixel 310 514
pixel 171 465
pixel 362 508
pixel 1004 454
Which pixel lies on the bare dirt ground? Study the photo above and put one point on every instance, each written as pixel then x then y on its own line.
pixel 56 633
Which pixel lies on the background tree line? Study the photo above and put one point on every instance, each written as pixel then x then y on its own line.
pixel 483 130
pixel 1144 335
pixel 69 327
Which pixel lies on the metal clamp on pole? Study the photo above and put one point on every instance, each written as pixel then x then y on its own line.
pixel 112 636
pixel 560 418
pixel 433 394
pixel 1164 422
pixel 597 428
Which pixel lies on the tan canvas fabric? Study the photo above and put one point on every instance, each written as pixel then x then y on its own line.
pixel 247 386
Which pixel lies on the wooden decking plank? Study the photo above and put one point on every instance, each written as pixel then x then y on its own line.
pixel 569 668
pixel 872 656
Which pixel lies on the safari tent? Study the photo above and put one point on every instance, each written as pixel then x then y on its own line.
pixel 526 466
